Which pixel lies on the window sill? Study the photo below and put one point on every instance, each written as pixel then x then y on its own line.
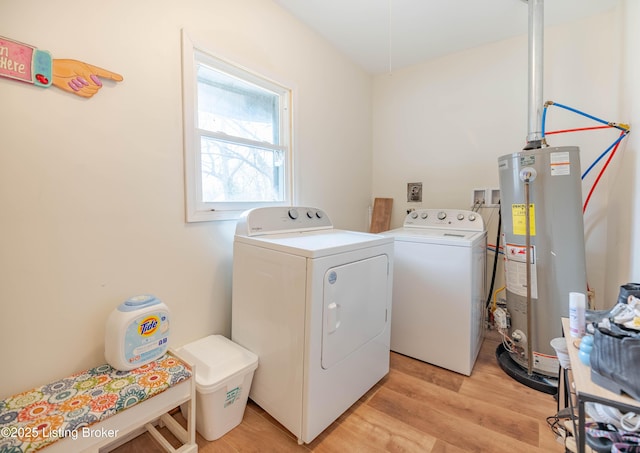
pixel 213 215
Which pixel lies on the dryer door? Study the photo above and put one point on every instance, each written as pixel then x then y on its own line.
pixel 355 307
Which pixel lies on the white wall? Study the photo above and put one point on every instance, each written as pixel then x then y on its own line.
pixel 445 123
pixel 92 190
pixel 623 263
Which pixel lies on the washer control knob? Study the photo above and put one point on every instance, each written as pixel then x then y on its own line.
pixel 460 216
pixel 472 217
pixel 310 214
pixel 319 214
pixel 442 215
pixel 293 214
pixel 414 215
pixel 424 215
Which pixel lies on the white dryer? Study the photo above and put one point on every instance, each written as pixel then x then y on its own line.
pixel 438 287
pixel 314 303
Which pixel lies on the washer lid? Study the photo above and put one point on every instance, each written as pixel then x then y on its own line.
pixel 446 236
pixel 314 244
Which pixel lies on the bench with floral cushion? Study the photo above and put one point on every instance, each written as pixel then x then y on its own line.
pixel 101 407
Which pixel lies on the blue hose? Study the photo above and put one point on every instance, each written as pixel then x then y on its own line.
pixel 544 120
pixel 589 116
pixel 581 113
pixel 602 155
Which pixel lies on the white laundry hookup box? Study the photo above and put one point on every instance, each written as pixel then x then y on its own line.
pixel 224 371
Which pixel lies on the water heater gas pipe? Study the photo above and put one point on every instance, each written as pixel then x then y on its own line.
pixel 535 140
pixel 535 137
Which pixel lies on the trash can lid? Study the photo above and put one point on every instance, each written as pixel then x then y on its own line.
pixel 216 359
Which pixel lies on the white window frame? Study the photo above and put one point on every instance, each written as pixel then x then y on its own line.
pixel 196 209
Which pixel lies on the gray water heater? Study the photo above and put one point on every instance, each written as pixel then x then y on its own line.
pixel 556 247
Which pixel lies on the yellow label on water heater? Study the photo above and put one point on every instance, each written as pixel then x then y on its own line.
pixel 519 221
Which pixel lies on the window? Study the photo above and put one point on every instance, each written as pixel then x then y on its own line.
pixel 237 138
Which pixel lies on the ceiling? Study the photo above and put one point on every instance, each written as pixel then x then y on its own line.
pixel 383 35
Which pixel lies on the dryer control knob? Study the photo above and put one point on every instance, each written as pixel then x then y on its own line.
pixel 310 214
pixel 424 215
pixel 460 217
pixel 293 214
pixel 414 215
pixel 442 215
pixel 472 217
pixel 319 214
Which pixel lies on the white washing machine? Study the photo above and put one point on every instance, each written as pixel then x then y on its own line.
pixel 314 303
pixel 439 287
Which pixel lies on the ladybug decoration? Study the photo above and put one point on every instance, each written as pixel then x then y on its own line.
pixel 42 79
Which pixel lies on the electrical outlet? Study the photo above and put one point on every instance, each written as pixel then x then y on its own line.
pixel 414 191
pixel 500 318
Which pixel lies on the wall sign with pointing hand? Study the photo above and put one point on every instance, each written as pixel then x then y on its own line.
pixel 28 64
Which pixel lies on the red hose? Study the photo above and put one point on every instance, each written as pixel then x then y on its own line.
pixel 578 129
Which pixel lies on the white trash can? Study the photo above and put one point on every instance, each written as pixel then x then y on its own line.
pixel 224 371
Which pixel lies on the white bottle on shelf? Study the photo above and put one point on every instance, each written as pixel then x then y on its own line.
pixel 577 307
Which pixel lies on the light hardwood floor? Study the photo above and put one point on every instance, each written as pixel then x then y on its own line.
pixel 417 407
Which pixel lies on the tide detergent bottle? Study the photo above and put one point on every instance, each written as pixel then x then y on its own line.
pixel 137 332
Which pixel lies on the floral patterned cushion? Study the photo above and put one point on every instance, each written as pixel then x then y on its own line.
pixel 32 420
